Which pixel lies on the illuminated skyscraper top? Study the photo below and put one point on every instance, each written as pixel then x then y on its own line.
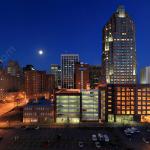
pixel 121 12
pixel 119 49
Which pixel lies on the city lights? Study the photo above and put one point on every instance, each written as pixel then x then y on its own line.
pixel 69 94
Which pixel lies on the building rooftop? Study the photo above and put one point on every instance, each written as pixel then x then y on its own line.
pixel 121 11
pixel 41 102
pixel 68 91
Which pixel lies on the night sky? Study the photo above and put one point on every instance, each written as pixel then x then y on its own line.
pixel 66 26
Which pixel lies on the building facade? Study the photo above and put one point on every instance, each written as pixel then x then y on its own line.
pixel 68 70
pixel 74 106
pixel 143 103
pixel 37 82
pixel 56 71
pixel 121 103
pixel 81 76
pixel 8 83
pixel 112 103
pixel 119 49
pixel 145 75
pixel 90 105
pixel 68 104
pixel 14 69
pixel 38 112
pixel 95 75
pixel 125 103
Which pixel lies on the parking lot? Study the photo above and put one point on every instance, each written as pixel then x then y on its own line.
pixel 69 138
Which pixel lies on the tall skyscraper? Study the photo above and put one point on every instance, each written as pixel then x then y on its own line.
pixel 56 71
pixel 13 69
pixel 145 75
pixel 119 49
pixel 68 70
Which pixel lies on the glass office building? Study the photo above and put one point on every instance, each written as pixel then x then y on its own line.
pixel 119 49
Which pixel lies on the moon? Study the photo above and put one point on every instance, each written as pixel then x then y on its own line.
pixel 40 52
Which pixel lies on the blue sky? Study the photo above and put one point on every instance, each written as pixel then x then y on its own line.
pixel 66 26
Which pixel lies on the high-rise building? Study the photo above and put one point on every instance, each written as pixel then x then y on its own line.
pixel 13 68
pixel 68 70
pixel 34 82
pixel 119 49
pixel 145 75
pixel 81 76
pixel 95 74
pixel 37 82
pixel 56 71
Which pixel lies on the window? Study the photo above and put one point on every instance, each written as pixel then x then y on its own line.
pixel 118 98
pixel 123 93
pixel 123 98
pixel 132 112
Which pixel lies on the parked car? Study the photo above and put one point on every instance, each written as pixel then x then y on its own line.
pixel 106 138
pixel 146 140
pixel 97 144
pixel 80 144
pixel 135 129
pixel 128 131
pixel 94 138
pixel 100 136
pixel 37 128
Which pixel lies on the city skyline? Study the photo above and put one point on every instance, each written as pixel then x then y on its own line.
pixel 69 74
pixel 69 38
